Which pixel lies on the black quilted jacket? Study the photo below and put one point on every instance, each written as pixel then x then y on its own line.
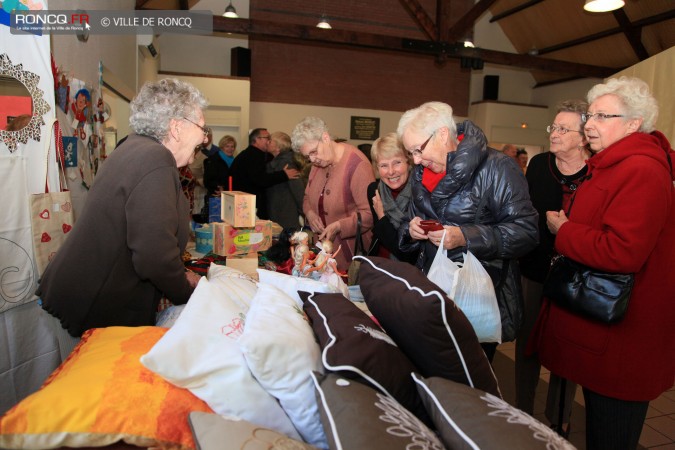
pixel 484 193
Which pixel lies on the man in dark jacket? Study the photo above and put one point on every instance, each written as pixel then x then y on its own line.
pixel 249 171
pixel 478 194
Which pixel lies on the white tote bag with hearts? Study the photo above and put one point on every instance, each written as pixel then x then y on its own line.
pixel 51 213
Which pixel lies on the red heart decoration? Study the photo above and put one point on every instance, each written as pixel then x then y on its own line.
pixel 66 228
pixel 46 237
pixel 44 214
pixel 67 207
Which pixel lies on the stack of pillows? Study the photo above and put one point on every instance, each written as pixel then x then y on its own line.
pixel 289 362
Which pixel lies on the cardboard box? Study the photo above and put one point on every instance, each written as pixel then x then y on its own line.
pixel 228 240
pixel 247 264
pixel 238 208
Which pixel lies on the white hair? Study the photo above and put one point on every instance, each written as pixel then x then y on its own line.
pixel 636 97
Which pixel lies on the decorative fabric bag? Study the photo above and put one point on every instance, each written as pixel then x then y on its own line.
pixel 469 285
pixel 353 270
pixel 597 295
pixel 52 212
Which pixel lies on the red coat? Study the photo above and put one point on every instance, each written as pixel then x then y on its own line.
pixel 622 220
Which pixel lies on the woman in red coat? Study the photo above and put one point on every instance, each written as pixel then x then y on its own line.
pixel 622 220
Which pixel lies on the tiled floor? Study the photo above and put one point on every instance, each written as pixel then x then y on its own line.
pixel 659 428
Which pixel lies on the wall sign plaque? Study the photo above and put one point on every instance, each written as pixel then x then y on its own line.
pixel 364 128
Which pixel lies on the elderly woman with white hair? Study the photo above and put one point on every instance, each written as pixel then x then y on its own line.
pixel 622 220
pixel 336 191
pixel 479 196
pixel 125 251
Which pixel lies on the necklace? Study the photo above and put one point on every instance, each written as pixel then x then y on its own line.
pixel 571 181
pixel 575 169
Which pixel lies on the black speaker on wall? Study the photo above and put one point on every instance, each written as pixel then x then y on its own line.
pixel 490 87
pixel 240 62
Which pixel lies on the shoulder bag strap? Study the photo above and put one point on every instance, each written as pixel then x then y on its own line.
pixel 358 241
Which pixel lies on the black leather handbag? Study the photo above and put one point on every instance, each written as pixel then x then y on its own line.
pixel 598 295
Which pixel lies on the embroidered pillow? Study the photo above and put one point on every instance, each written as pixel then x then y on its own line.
pixel 471 418
pixel 428 327
pixel 356 347
pixel 356 416
pixel 200 353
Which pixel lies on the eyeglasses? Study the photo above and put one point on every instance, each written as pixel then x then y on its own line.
pixel 267 138
pixel 205 130
pixel 418 152
pixel 559 130
pixel 314 152
pixel 600 117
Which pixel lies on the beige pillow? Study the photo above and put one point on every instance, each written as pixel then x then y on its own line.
pixel 213 432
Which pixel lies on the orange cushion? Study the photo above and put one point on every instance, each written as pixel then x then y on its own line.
pixel 101 395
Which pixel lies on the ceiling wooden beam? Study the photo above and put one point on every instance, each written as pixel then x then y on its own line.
pixel 460 29
pixel 421 17
pixel 286 31
pixel 633 34
pixel 512 11
pixel 592 37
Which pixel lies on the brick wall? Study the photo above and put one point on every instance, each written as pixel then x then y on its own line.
pixel 315 74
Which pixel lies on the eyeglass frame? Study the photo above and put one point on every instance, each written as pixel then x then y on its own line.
pixel 205 130
pixel 314 152
pixel 418 151
pixel 560 130
pixel 600 117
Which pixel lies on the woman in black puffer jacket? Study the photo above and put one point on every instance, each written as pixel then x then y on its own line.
pixel 478 194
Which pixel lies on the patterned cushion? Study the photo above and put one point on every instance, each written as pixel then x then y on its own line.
pixel 356 347
pixel 210 431
pixel 428 327
pixel 101 395
pixel 355 416
pixel 471 418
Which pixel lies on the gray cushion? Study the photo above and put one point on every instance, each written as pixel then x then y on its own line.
pixel 468 418
pixel 356 416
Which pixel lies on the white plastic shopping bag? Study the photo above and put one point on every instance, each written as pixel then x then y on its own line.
pixel 470 287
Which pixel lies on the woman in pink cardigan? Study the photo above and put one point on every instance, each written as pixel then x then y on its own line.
pixel 337 187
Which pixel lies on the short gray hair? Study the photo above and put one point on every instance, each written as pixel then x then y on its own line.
pixel 309 129
pixel 428 118
pixel 573 106
pixel 635 96
pixel 159 102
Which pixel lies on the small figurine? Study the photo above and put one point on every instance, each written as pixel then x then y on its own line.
pixel 326 266
pixel 300 253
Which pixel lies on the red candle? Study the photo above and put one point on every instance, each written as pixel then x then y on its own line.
pixel 229 183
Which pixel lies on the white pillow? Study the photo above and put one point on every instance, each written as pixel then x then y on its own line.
pixel 291 285
pixel 281 351
pixel 200 353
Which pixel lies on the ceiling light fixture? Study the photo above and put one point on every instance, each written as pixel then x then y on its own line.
pixel 603 5
pixel 323 23
pixel 230 11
